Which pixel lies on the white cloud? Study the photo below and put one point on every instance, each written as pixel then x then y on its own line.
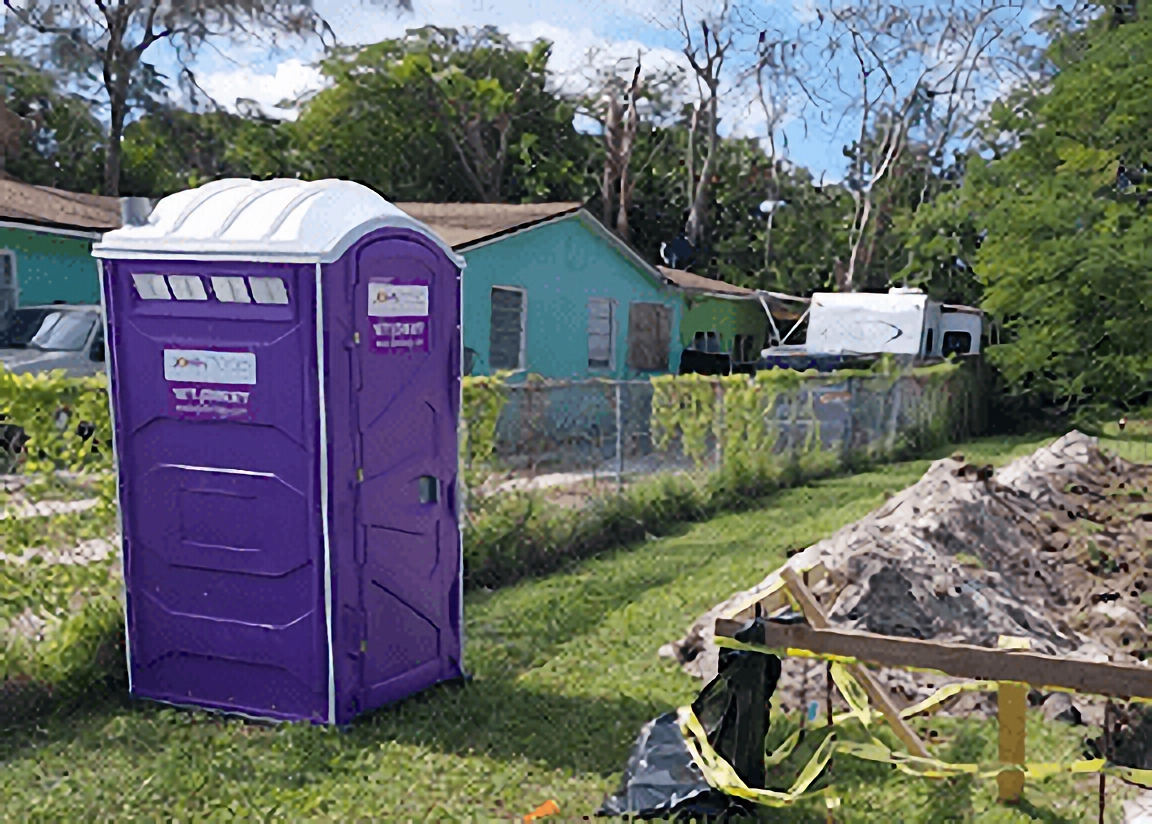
pixel 588 37
pixel 292 78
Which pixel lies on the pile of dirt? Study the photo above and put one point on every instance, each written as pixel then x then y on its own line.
pixel 1051 548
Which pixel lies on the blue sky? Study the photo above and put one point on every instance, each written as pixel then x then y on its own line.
pixel 617 28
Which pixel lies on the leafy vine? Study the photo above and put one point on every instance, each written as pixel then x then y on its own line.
pixel 484 399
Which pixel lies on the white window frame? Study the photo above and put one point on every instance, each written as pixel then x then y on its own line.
pixel 523 355
pixel 11 254
pixel 612 318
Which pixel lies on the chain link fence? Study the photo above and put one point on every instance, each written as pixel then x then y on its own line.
pixel 570 434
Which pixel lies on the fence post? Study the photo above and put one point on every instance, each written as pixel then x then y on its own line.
pixel 894 422
pixel 849 428
pixel 619 440
pixel 719 423
pixel 1012 702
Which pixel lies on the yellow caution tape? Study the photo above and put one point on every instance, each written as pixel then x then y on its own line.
pixel 853 693
pixel 720 775
pixel 941 695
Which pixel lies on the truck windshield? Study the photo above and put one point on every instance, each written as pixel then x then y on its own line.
pixel 19 327
pixel 64 332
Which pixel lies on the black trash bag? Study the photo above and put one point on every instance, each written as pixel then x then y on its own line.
pixel 662 781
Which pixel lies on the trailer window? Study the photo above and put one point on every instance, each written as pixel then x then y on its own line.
pixel 959 343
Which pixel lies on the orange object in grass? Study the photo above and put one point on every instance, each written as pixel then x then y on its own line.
pixel 547 808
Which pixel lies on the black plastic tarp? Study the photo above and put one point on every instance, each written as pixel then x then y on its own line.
pixel 662 781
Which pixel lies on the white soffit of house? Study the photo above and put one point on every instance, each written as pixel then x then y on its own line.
pixel 256 219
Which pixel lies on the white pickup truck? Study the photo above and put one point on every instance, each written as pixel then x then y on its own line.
pixel 850 325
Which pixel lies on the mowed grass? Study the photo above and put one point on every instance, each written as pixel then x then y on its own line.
pixel 566 672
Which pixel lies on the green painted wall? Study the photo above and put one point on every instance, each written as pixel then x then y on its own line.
pixel 52 267
pixel 727 318
pixel 560 265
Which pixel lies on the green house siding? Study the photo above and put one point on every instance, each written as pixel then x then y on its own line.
pixel 727 318
pixel 51 267
pixel 560 267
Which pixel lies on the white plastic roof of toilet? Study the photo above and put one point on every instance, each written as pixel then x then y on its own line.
pixel 262 220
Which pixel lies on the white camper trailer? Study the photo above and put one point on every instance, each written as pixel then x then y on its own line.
pixel 902 322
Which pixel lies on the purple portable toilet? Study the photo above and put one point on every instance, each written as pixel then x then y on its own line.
pixel 284 364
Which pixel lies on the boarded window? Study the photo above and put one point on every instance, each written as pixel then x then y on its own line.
pixel 600 330
pixel 7 282
pixel 649 336
pixel 506 338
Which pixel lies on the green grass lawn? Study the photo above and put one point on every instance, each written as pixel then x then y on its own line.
pixel 566 672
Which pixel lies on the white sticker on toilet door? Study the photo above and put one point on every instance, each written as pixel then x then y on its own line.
pixel 397 300
pixel 399 313
pixel 209 366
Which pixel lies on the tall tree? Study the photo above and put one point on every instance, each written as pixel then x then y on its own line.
pixel 707 43
pixel 887 41
pixel 176 149
pixel 1066 255
pixel 629 114
pixel 445 115
pixel 104 43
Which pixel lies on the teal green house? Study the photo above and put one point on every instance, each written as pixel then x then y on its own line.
pixel 549 291
pixel 46 238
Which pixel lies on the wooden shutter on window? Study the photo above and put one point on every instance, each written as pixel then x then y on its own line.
pixel 505 338
pixel 600 333
pixel 649 336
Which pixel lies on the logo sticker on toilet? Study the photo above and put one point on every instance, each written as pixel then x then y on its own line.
pixel 210 366
pixel 399 314
pixel 210 384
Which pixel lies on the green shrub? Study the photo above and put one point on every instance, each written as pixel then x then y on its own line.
pixel 34 401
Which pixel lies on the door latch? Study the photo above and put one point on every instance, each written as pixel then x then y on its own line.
pixel 356 338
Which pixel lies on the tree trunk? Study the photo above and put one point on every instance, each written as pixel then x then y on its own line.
pixel 694 227
pixel 611 154
pixel 622 227
pixel 112 152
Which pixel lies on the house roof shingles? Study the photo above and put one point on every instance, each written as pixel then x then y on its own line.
pixel 44 206
pixel 462 224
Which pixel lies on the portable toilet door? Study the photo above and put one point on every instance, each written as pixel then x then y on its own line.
pixel 396 296
pixel 286 450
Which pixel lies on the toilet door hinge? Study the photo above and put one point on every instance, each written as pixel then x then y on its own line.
pixel 356 338
pixel 360 475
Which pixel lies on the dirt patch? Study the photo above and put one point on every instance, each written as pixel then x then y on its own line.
pixel 1051 548
pixel 86 552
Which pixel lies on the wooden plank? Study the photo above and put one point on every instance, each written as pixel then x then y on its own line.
pixel 777 599
pixel 1011 711
pixel 876 694
pixel 959 660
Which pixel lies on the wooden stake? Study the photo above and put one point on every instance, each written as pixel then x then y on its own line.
pixel 817 618
pixel 1107 754
pixel 828 694
pixel 804 683
pixel 1012 702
